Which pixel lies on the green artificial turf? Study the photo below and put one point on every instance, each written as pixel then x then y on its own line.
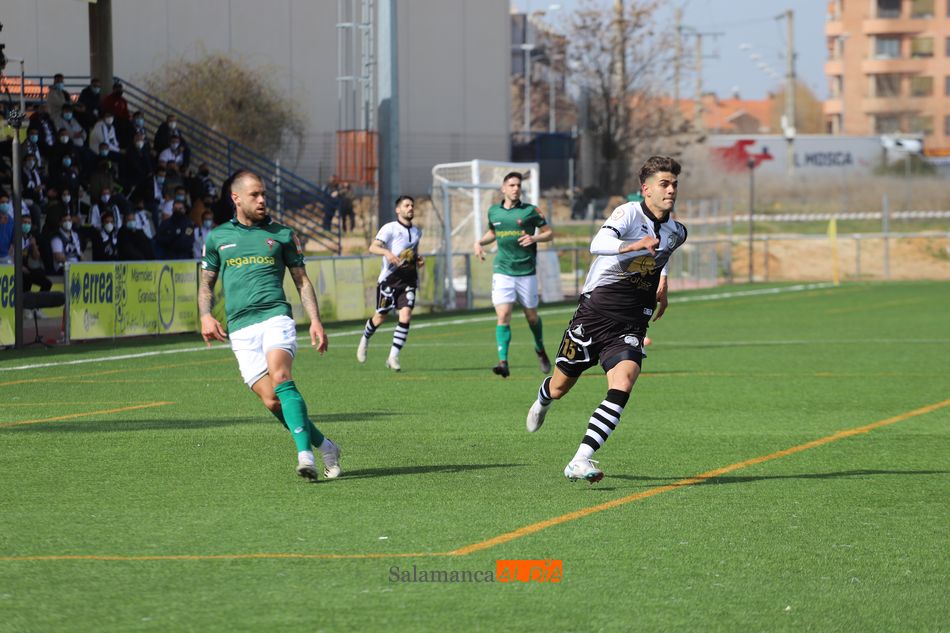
pixel 850 535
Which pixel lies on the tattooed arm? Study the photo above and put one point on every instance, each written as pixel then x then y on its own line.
pixel 210 327
pixel 308 297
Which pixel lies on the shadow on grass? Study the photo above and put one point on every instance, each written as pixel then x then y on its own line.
pixel 92 425
pixel 739 479
pixel 434 469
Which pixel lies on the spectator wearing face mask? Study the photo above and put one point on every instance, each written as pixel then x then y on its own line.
pixel 201 233
pixel 65 245
pixel 64 147
pixel 174 153
pixel 42 124
pixel 105 240
pixel 31 148
pixel 68 179
pixel 90 99
pixel 34 184
pixel 116 104
pixel 176 235
pixel 104 132
pixel 164 132
pixel 135 167
pixel 57 97
pixel 71 125
pixel 178 196
pixel 106 204
pixel 32 264
pixel 134 244
pixel 143 219
pixel 138 127
pixel 56 208
pixel 6 226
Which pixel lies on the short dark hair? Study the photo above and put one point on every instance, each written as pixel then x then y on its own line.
pixel 404 197
pixel 513 174
pixel 656 164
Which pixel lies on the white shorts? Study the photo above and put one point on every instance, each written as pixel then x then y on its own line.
pixel 250 345
pixel 508 289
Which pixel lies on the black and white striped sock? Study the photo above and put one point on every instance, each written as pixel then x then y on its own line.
pixel 369 330
pixel 602 423
pixel 399 338
pixel 544 393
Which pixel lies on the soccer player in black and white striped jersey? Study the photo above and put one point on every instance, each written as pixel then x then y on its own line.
pixel 625 287
pixel 398 243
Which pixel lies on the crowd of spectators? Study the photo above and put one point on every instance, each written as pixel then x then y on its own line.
pixel 98 184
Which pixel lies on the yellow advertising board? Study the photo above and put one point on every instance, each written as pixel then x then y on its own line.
pixel 350 297
pixel 7 306
pixel 91 300
pixel 156 298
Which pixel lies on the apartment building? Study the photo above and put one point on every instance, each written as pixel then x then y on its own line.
pixel 889 69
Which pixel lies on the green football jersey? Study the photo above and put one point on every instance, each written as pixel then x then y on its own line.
pixel 508 225
pixel 250 261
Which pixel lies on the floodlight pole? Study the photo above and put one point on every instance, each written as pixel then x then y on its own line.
pixel 15 118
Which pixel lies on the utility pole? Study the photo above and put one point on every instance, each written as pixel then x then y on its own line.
pixel 790 82
pixel 100 41
pixel 388 94
pixel 677 57
pixel 698 115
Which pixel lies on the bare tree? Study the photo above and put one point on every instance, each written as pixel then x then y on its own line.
pixel 232 98
pixel 622 62
pixel 809 115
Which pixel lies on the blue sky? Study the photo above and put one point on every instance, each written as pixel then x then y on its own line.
pixel 741 22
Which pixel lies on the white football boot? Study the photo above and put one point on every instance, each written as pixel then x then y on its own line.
pixel 583 469
pixel 535 417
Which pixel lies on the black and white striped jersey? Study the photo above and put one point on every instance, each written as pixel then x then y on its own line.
pixel 403 241
pixel 623 287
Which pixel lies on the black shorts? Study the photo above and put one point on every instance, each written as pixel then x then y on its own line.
pixel 591 338
pixel 399 296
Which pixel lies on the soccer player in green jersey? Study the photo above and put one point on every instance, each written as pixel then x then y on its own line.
pixel 517 227
pixel 250 253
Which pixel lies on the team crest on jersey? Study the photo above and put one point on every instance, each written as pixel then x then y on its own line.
pixel 519 222
pixel 270 243
pixel 617 214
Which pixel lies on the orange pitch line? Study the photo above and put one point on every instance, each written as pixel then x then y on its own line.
pixel 71 416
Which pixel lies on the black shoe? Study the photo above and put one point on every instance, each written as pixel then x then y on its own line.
pixel 501 369
pixel 544 361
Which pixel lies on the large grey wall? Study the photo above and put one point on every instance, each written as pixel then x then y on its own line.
pixel 453 63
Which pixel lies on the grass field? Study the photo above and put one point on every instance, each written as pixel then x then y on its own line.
pixel 153 492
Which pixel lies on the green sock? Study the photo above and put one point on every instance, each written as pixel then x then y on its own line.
pixel 295 414
pixel 538 340
pixel 316 437
pixel 280 417
pixel 503 338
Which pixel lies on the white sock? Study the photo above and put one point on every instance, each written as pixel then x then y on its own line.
pixel 583 452
pixel 306 457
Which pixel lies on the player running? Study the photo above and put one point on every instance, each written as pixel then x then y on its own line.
pixel 625 286
pixel 250 253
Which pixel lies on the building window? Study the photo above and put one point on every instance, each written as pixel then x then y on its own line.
pixel 946 86
pixel 887 123
pixel 886 47
pixel 922 47
pixel 946 125
pixel 921 86
pixel 922 9
pixel 887 85
pixel 888 8
pixel 947 52
pixel 837 86
pixel 922 124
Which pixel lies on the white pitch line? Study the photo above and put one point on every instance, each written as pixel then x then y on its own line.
pixel 415 327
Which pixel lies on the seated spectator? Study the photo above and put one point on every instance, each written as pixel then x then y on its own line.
pixel 73 128
pixel 56 208
pixel 136 164
pixel 89 101
pixel 6 226
pixel 103 132
pixel 68 180
pixel 34 185
pixel 179 196
pixel 31 149
pixel 152 193
pixel 134 244
pixel 176 235
pixel 105 205
pixel 201 233
pixel 57 97
pixel 143 219
pixel 138 127
pixel 174 153
pixel 65 245
pixel 106 239
pixel 33 274
pixel 41 121
pixel 206 186
pixel 63 148
pixel 115 103
pixel 164 132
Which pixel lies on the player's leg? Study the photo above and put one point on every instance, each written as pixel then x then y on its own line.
pixel 552 388
pixel 605 418
pixel 503 297
pixel 527 288
pixel 384 304
pixel 401 332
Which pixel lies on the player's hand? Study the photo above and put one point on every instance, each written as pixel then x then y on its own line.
pixel 480 251
pixel 526 240
pixel 211 330
pixel 420 261
pixel 648 243
pixel 318 338
pixel 661 299
pixel 392 259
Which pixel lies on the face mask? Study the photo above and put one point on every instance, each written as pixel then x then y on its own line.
pixel 67 116
pixel 139 144
pixel 58 86
pixel 173 145
pixel 26 227
pixel 132 224
pixel 139 122
pixel 105 197
pixel 172 125
pixel 6 207
pixel 67 199
pixel 207 224
pixel 95 90
pixel 160 180
pixel 34 138
pixel 109 120
pixel 104 153
pixel 108 226
pixel 68 226
pixel 179 198
pixel 63 139
pixel 67 161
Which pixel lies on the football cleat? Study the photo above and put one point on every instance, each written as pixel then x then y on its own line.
pixel 307 470
pixel 361 349
pixel 544 361
pixel 393 363
pixel 535 417
pixel 501 369
pixel 583 469
pixel 331 461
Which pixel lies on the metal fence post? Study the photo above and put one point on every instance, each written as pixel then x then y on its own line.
pixel 885 228
pixel 469 293
pixel 857 256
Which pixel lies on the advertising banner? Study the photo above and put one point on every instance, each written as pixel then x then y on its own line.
pixel 7 309
pixel 156 297
pixel 91 300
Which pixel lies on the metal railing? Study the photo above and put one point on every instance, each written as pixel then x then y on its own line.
pixel 295 200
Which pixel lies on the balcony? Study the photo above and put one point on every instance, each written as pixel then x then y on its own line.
pixel 834 67
pixel 896 26
pixel 881 105
pixel 899 65
pixel 833 106
pixel 834 29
